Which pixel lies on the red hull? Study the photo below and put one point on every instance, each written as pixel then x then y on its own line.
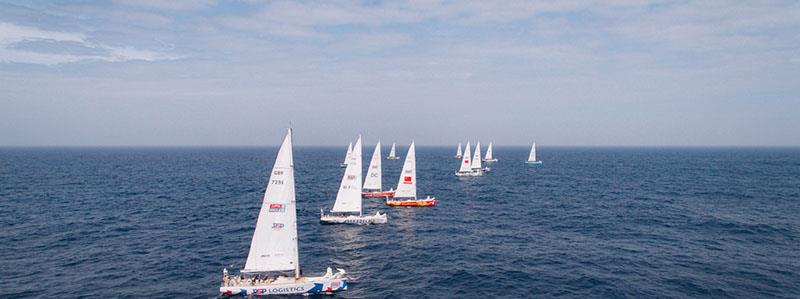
pixel 377 194
pixel 428 202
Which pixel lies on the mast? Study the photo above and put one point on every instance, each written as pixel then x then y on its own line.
pixel 274 243
pixel 348 199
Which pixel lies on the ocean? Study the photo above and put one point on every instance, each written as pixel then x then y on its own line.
pixel 590 222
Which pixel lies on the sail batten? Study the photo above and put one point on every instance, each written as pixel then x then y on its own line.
pixel 274 243
pixel 407 185
pixel 373 181
pixel 348 199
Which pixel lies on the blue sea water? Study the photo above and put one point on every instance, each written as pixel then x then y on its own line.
pixel 589 222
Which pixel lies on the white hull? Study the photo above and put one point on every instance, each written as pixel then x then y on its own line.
pixel 377 218
pixel 392 158
pixel 489 160
pixel 474 172
pixel 285 286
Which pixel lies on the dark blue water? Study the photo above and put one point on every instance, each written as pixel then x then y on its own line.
pixel 590 222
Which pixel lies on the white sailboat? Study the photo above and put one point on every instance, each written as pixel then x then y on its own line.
pixel 393 153
pixel 532 156
pixel 273 265
pixel 347 208
pixel 466 164
pixel 476 160
pixel 406 194
pixel 458 153
pixel 349 151
pixel 489 156
pixel 372 184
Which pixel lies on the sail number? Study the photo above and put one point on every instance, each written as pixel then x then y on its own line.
pixel 276 182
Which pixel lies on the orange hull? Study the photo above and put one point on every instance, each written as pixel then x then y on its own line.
pixel 428 202
pixel 377 194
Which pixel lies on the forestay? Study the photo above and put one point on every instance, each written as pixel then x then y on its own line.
pixel 274 244
pixel 373 180
pixel 348 199
pixel 465 165
pixel 476 159
pixel 407 185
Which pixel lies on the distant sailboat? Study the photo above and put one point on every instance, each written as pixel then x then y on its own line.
pixel 347 208
pixel 349 151
pixel 476 160
pixel 393 153
pixel 466 166
pixel 458 153
pixel 406 194
pixel 273 266
pixel 372 184
pixel 532 156
pixel 489 157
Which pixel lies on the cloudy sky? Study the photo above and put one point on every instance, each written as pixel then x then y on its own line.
pixel 204 72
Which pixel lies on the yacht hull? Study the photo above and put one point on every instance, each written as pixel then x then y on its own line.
pixel 286 286
pixel 427 202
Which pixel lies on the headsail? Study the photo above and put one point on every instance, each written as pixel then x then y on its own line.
pixel 465 160
pixel 373 179
pixel 489 152
pixel 274 244
pixel 392 153
pixel 407 185
pixel 348 199
pixel 458 153
pixel 476 159
pixel 532 156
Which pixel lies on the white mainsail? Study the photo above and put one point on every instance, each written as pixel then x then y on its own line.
pixel 349 151
pixel 392 153
pixel 274 244
pixel 348 199
pixel 476 159
pixel 407 185
pixel 532 156
pixel 373 180
pixel 489 152
pixel 465 165
pixel 458 153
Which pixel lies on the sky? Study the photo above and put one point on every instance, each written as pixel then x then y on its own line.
pixel 206 72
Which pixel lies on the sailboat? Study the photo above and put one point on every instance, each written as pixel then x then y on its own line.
pixel 532 156
pixel 476 160
pixel 273 265
pixel 349 151
pixel 372 184
pixel 489 158
pixel 458 153
pixel 347 208
pixel 406 194
pixel 466 166
pixel 393 153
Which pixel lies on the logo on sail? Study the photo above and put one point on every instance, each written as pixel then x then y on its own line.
pixel 277 226
pixel 277 207
pixel 351 177
pixel 407 180
pixel 466 161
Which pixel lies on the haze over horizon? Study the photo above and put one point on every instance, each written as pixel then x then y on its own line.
pixel 183 73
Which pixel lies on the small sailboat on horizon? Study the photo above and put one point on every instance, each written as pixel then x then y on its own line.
pixel 406 194
pixel 273 266
pixel 458 153
pixel 372 183
pixel 349 151
pixel 465 168
pixel 532 156
pixel 393 153
pixel 489 155
pixel 347 207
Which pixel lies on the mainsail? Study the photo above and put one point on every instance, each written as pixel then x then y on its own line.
pixel 373 180
pixel 465 165
pixel 274 244
pixel 349 151
pixel 476 159
pixel 392 153
pixel 348 199
pixel 489 152
pixel 532 156
pixel 458 153
pixel 407 185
